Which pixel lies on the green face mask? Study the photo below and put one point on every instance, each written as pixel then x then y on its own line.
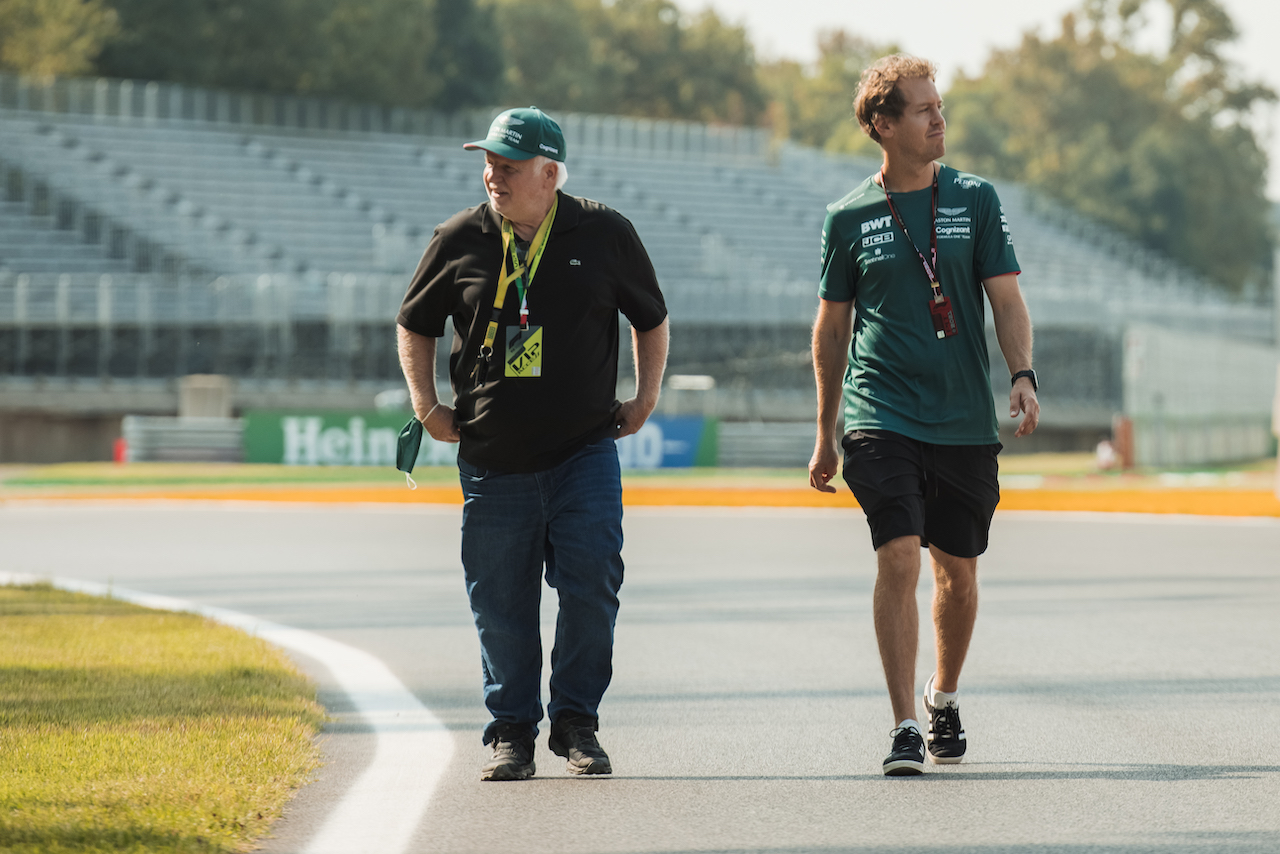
pixel 407 446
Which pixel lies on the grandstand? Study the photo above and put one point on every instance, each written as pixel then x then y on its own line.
pixel 148 231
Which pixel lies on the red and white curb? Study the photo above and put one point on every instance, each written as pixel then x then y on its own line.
pixel 382 810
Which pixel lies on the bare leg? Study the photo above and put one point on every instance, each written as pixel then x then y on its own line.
pixel 897 620
pixel 955 609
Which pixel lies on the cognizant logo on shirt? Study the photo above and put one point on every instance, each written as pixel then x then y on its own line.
pixel 954 223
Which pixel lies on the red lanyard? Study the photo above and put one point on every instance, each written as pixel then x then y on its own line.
pixel 930 269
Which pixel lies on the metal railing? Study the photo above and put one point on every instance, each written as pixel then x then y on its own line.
pixel 335 326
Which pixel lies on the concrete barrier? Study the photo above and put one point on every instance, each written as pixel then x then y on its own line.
pixel 165 439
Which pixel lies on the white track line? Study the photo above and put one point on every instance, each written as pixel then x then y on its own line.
pixel 383 808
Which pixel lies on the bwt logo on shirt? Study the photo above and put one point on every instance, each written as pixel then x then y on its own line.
pixel 876 224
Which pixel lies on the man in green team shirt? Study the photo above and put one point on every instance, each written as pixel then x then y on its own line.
pixel 906 257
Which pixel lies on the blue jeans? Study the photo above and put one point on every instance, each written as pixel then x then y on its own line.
pixel 568 519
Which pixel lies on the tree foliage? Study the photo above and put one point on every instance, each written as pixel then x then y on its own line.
pixel 244 44
pixel 1154 144
pixel 468 62
pixel 48 38
pixel 413 53
pixel 634 57
pixel 813 104
pixel 630 57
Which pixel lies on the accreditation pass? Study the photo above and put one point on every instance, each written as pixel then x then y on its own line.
pixel 524 351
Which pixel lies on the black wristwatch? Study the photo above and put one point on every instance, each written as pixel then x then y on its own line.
pixel 1031 375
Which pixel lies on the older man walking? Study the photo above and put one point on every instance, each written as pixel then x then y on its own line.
pixel 533 281
pixel 906 258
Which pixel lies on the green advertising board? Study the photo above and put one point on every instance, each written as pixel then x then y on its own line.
pixel 334 439
pixel 369 439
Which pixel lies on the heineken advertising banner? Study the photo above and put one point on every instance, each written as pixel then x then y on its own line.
pixel 369 439
pixel 334 439
pixel 678 442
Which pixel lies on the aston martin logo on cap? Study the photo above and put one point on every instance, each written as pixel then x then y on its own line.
pixel 538 134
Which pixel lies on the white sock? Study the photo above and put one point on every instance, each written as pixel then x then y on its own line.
pixel 937 698
pixel 909 724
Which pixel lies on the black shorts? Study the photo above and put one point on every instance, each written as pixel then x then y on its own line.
pixel 945 494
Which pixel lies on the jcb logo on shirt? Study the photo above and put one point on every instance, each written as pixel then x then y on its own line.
pixel 877 239
pixel 876 224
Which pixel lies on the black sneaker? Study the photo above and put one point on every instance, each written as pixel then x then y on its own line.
pixel 907 757
pixel 512 755
pixel 946 735
pixel 574 738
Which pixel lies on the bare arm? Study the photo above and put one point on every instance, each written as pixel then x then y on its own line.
pixel 650 349
pixel 832 332
pixel 418 362
pixel 1013 331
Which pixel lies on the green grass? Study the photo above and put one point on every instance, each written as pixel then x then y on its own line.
pixel 128 729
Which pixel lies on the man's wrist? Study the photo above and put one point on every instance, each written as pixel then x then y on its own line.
pixel 1027 375
pixel 648 401
pixel 827 435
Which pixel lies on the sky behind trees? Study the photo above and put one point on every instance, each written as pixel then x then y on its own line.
pixel 965 33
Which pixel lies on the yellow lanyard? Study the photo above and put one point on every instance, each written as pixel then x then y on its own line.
pixel 532 258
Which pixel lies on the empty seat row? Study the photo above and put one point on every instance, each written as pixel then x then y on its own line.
pixel 246 199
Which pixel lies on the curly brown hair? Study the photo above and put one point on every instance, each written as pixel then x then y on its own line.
pixel 878 93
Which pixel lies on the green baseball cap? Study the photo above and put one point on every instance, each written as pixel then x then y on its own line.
pixel 521 134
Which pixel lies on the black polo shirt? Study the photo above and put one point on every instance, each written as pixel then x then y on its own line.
pixel 594 266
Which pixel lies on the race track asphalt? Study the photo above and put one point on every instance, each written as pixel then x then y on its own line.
pixel 1122 692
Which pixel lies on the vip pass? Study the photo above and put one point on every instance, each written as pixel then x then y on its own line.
pixel 523 356
pixel 524 351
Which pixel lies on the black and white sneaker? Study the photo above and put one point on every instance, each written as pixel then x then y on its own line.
pixel 946 735
pixel 906 759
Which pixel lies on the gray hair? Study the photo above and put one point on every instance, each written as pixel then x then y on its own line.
pixel 562 171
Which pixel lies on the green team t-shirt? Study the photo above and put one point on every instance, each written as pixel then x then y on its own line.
pixel 901 376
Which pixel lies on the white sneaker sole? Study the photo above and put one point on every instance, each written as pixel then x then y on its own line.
pixel 945 760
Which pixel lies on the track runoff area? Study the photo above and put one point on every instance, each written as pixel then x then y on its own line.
pixel 1124 670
